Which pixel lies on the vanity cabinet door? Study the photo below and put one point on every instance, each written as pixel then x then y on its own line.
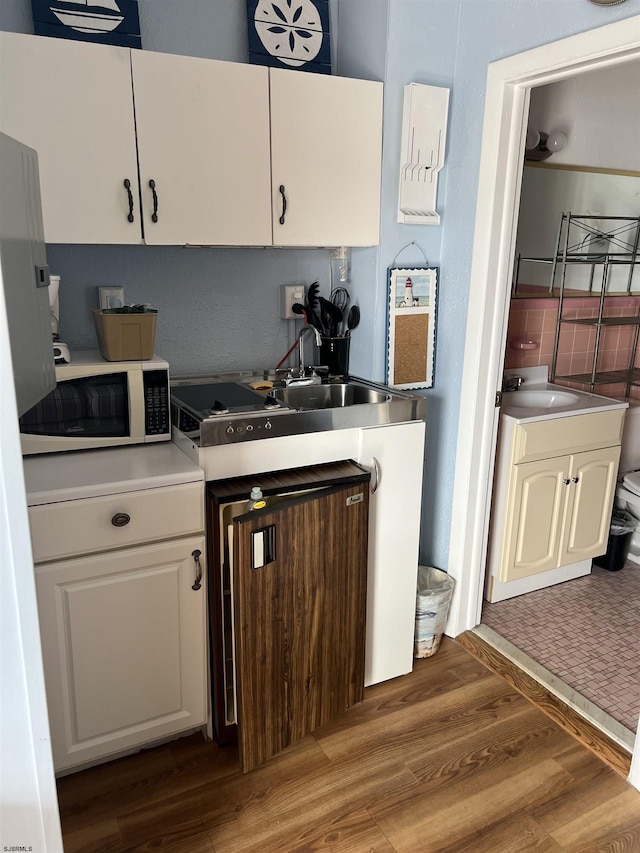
pixel 533 519
pixel 326 148
pixel 589 503
pixel 72 102
pixel 203 140
pixel 123 641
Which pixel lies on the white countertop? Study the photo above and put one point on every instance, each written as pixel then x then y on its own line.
pixel 73 475
pixel 585 405
pixel 535 379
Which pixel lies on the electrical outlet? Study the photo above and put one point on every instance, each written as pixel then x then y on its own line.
pixel 290 294
pixel 111 297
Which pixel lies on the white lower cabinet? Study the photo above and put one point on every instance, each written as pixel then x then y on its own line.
pixel 554 488
pixel 395 456
pixel 119 550
pixel 122 638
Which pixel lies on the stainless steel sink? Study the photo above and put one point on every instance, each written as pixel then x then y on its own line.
pixel 341 404
pixel 331 396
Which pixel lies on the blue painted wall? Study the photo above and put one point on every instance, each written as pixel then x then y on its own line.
pixel 219 307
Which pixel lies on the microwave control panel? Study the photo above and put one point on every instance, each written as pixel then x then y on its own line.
pixel 156 402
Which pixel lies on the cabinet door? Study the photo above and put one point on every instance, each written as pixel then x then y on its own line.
pixel 300 599
pixel 203 139
pixel 395 456
pixel 590 499
pixel 71 101
pixel 326 138
pixel 533 518
pixel 124 648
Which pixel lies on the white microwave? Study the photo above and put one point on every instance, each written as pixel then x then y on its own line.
pixel 98 403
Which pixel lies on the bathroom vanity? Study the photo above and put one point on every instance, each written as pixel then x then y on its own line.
pixel 556 468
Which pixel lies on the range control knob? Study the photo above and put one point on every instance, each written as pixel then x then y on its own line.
pixel 230 430
pixel 268 425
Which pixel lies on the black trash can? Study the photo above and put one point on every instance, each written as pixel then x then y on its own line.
pixel 622 527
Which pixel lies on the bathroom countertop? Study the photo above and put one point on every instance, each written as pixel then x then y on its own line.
pixel 584 404
pixel 536 379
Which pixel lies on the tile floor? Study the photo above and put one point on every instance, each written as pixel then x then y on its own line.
pixel 586 632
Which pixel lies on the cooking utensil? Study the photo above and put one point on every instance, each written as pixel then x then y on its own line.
pixel 331 317
pixel 353 318
pixel 313 317
pixel 340 298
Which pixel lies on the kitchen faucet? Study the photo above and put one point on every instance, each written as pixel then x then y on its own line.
pixel 302 377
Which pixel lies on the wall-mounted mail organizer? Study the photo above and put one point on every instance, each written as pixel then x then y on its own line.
pixel 411 333
pixel 424 135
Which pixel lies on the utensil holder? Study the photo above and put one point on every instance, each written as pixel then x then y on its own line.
pixel 334 354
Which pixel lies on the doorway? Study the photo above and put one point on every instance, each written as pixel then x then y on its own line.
pixel 509 83
pixel 584 632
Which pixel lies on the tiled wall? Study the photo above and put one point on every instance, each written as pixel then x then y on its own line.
pixel 533 321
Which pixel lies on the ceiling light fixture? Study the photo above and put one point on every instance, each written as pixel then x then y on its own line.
pixel 539 145
pixel 607 2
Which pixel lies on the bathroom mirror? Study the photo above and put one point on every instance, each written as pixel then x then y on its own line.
pixel 550 190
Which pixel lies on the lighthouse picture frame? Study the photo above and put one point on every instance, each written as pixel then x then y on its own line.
pixel 411 328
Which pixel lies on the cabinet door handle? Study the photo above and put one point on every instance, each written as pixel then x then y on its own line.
pixel 196 558
pixel 121 519
pixel 154 215
pixel 566 481
pixel 377 475
pixel 576 479
pixel 127 186
pixel 284 204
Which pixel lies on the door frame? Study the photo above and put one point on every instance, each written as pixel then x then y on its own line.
pixel 509 83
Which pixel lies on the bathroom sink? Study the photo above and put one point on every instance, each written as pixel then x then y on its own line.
pixel 541 398
pixel 331 396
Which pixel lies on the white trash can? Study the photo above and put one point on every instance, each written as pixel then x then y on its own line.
pixel 435 589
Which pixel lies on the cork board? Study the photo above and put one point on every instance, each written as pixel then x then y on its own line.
pixel 411 331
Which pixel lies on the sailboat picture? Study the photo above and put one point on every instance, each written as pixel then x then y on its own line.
pixel 113 22
pixel 89 17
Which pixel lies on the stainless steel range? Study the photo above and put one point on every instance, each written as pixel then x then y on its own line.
pixel 223 412
pixel 226 409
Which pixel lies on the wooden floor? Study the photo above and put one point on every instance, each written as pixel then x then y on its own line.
pixel 449 758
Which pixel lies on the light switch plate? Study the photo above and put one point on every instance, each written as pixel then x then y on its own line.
pixel 110 296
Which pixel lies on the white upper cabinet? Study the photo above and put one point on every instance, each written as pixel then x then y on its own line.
pixel 203 139
pixel 71 101
pixel 210 142
pixel 326 149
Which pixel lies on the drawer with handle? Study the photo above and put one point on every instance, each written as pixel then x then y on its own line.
pixel 72 528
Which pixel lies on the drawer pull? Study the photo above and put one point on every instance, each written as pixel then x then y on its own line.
pixel 196 557
pixel 120 519
pixel 154 215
